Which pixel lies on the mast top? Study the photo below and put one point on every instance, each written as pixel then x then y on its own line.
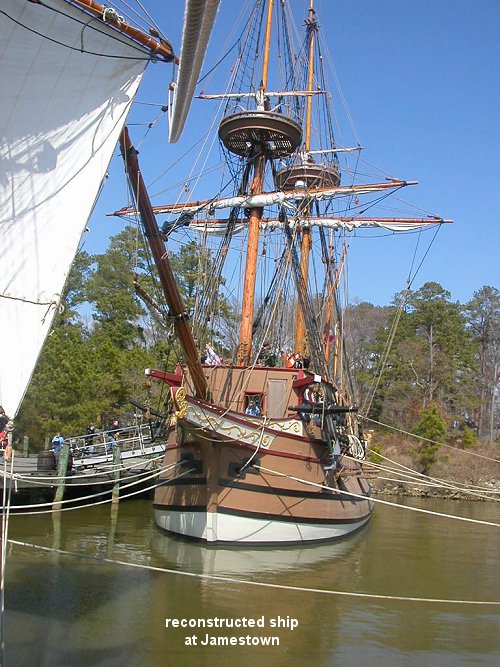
pixel 270 133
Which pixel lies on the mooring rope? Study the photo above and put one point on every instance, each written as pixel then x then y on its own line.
pixel 46 480
pixel 377 500
pixel 6 504
pixel 433 442
pixel 100 502
pixel 410 476
pixel 247 582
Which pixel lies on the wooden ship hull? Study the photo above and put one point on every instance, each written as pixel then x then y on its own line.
pixel 234 478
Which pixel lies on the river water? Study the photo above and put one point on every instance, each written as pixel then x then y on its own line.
pixel 79 601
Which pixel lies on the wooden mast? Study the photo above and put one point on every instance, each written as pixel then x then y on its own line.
pixel 176 307
pixel 245 339
pixel 155 44
pixel 330 302
pixel 305 246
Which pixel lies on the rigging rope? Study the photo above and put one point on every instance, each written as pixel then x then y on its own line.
pixel 377 500
pixel 434 442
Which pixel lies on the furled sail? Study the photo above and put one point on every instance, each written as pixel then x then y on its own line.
pixel 198 22
pixel 67 84
pixel 218 226
pixel 288 198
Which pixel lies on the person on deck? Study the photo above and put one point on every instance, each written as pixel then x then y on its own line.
pixel 3 419
pixel 253 409
pixel 4 441
pixel 3 433
pixel 212 357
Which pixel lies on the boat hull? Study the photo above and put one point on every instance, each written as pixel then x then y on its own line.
pixel 228 478
pixel 239 529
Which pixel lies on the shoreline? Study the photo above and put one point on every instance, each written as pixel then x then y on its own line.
pixel 456 473
pixel 489 491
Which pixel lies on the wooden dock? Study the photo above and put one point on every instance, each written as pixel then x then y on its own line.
pixel 91 479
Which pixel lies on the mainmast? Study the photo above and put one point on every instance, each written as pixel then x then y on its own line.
pixel 245 338
pixel 305 246
pixel 176 307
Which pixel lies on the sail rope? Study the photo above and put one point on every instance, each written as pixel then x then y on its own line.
pixel 277 292
pixel 150 20
pixel 212 69
pixel 366 406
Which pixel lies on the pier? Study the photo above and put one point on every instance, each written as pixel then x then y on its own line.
pixel 113 465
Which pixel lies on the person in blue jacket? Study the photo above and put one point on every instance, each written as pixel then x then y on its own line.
pixel 57 443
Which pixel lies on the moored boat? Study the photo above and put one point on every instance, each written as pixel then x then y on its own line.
pixel 264 442
pixel 268 445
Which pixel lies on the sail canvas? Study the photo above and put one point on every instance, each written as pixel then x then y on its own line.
pixel 67 86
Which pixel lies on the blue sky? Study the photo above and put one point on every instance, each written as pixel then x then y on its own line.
pixel 421 80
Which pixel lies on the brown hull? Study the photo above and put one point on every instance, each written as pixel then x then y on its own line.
pixel 232 478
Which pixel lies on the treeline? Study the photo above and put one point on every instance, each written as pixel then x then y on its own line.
pixel 428 356
pixel 113 325
pixel 423 364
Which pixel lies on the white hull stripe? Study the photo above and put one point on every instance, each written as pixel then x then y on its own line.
pixel 219 527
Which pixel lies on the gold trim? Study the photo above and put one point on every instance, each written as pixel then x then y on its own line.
pixel 180 402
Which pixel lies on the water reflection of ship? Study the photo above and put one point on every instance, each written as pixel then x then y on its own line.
pixel 196 557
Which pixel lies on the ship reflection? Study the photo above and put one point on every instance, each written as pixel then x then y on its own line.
pixel 196 557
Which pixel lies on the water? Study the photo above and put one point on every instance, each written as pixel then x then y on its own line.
pixel 85 610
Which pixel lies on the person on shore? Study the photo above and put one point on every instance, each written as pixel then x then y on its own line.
pixel 116 428
pixel 89 439
pixel 110 438
pixel 57 443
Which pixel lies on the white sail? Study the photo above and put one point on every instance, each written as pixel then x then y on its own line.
pixel 349 224
pixel 67 85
